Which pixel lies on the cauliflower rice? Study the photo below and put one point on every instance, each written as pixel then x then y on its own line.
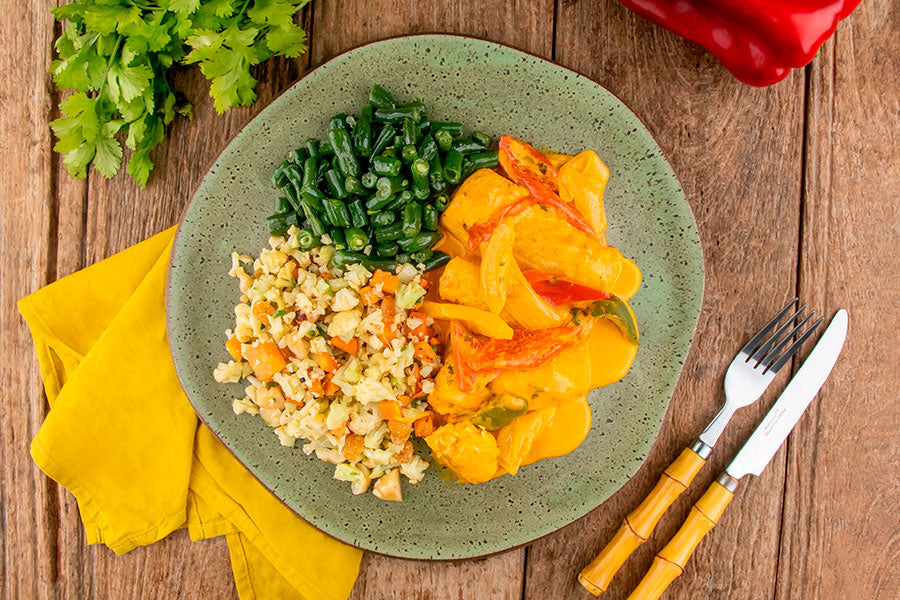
pixel 326 364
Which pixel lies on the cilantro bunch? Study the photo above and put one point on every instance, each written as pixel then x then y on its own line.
pixel 116 55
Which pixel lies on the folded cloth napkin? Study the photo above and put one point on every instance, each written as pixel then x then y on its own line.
pixel 123 438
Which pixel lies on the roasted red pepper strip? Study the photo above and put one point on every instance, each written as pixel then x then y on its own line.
pixel 527 349
pixel 558 291
pixel 533 171
pixel 480 233
pixel 759 41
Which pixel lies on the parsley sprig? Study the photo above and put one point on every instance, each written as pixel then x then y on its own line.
pixel 116 56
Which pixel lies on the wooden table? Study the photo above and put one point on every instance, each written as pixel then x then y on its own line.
pixel 795 188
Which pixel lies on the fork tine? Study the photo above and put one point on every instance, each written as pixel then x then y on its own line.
pixel 769 358
pixel 794 347
pixel 759 337
pixel 763 350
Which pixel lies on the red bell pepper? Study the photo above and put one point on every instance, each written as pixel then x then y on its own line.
pixel 759 41
pixel 527 349
pixel 558 291
pixel 534 171
pixel 480 233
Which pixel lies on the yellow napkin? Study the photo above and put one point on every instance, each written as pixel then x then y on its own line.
pixel 122 437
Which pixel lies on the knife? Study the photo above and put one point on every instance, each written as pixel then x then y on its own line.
pixel 756 453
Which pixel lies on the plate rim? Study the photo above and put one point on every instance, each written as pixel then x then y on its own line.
pixel 425 35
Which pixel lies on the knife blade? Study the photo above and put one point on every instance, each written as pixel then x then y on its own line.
pixel 765 441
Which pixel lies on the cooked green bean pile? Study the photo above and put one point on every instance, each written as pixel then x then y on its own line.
pixel 375 187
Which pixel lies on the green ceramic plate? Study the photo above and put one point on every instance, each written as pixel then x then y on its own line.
pixel 496 90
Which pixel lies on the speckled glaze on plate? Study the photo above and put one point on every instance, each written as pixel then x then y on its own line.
pixel 496 90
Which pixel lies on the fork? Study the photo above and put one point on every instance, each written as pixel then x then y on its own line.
pixel 748 376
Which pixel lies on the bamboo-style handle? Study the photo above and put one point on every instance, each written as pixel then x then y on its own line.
pixel 669 563
pixel 638 525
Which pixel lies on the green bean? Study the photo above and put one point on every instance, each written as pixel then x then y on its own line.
pixel 314 196
pixel 420 241
pixel 391 152
pixel 357 212
pixel 419 170
pixel 294 175
pixel 421 193
pixel 312 148
pixel 389 233
pixel 279 176
pixel 409 132
pixel 325 148
pixel 312 219
pixel 482 138
pixel 482 160
pixel 409 153
pixel 437 259
pixel 438 183
pixel 396 115
pixel 298 155
pixel 429 218
pixel 402 199
pixel 356 238
pixel 453 128
pixel 453 166
pixel 338 122
pixel 381 98
pixel 336 212
pixel 279 223
pixel 382 219
pixel 443 138
pixel 368 179
pixel 306 239
pixel 362 137
pixel 388 186
pixel 468 146
pixel 335 163
pixel 338 240
pixel 384 165
pixel 441 202
pixel 375 204
pixel 340 141
pixel 386 250
pixel 353 185
pixel 402 258
pixel 335 184
pixel 421 256
pixel 310 167
pixel 367 112
pixel 384 139
pixel 428 148
pixel 342 258
pixel 283 204
pixel 412 219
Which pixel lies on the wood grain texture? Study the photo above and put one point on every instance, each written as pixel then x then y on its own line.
pixel 841 532
pixel 27 498
pixel 737 151
pixel 525 25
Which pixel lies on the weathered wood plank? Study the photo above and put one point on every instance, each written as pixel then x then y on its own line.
pixel 525 25
pixel 27 499
pixel 840 533
pixel 737 152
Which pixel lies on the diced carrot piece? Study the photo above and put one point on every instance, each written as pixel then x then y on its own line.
pixel 330 386
pixel 353 447
pixel 424 352
pixel 295 269
pixel 405 455
pixel 349 347
pixel 419 393
pixel 435 341
pixel 326 275
pixel 369 297
pixel 294 401
pixel 262 309
pixel 390 410
pixel 400 431
pixel 233 345
pixel 426 285
pixel 338 431
pixel 424 426
pixel 388 281
pixel 265 359
pixel 316 388
pixel 327 362
pixel 404 400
